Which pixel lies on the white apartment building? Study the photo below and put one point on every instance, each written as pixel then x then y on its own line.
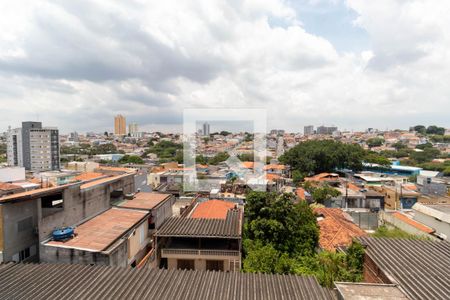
pixel 33 147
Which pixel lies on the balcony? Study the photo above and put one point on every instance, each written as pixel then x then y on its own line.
pixel 198 252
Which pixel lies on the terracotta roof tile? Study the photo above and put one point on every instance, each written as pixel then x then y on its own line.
pixel 88 176
pixel 212 209
pixel 300 192
pixel 248 164
pixel 323 177
pixel 335 229
pixel 145 200
pixel 100 232
pixel 4 186
pixel 275 167
pixel 413 223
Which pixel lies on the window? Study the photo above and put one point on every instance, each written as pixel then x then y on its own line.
pixel 186 264
pixel 214 265
pixel 52 204
pixel 24 254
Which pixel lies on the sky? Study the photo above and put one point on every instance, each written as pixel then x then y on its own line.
pixel 350 63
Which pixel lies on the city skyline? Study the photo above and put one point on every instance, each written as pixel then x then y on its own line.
pixel 352 71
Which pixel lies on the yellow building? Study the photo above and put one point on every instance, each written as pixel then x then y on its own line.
pixel 120 125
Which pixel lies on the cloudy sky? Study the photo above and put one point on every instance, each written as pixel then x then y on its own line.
pixel 354 63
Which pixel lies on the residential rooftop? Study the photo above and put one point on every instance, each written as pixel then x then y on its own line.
pixel 413 223
pixel 231 227
pixel 212 209
pixel 100 232
pixel 147 201
pixel 61 281
pixel 368 291
pixel 420 268
pixel 336 230
pixel 438 211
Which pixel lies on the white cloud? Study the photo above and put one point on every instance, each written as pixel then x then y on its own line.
pixel 77 64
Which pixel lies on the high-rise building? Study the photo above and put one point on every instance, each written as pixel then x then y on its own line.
pixel 74 137
pixel 133 128
pixel 206 129
pixel 308 130
pixel 326 129
pixel 120 125
pixel 33 147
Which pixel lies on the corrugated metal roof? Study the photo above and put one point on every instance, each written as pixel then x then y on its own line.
pixel 191 227
pixel 421 268
pixel 59 281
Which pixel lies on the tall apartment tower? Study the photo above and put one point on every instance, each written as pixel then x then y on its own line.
pixel 326 129
pixel 33 147
pixel 206 129
pixel 308 130
pixel 133 128
pixel 120 125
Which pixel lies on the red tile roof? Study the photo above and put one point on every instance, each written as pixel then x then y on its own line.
pixel 273 177
pixel 413 223
pixel 335 229
pixel 88 176
pixel 248 164
pixel 275 167
pixel 300 192
pixel 4 186
pixel 212 209
pixel 100 232
pixel 323 177
pixel 102 181
pixel 145 200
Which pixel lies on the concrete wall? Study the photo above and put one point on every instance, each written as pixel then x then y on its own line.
pixel 137 241
pixel 119 256
pixel 163 212
pixel 80 205
pixel 200 263
pixel 437 225
pixel 388 218
pixel 51 254
pixel 16 239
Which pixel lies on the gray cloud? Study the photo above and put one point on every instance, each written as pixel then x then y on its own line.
pixel 78 63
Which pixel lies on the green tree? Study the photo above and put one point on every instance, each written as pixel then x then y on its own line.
pixel 275 219
pixel 297 177
pixel 372 157
pixel 399 145
pixel 131 159
pixel 165 149
pixel 2 148
pixel 420 129
pixel 200 159
pixel 427 155
pixel 433 129
pixel 375 142
pixel 264 258
pixel 246 157
pixel 219 157
pixel 324 156
pixel 324 193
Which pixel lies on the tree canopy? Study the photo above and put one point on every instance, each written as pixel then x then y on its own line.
pixel 131 159
pixel 375 142
pixel 281 237
pixel 324 156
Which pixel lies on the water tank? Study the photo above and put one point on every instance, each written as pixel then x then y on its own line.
pixel 63 233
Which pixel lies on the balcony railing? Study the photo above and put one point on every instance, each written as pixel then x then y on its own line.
pixel 198 252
